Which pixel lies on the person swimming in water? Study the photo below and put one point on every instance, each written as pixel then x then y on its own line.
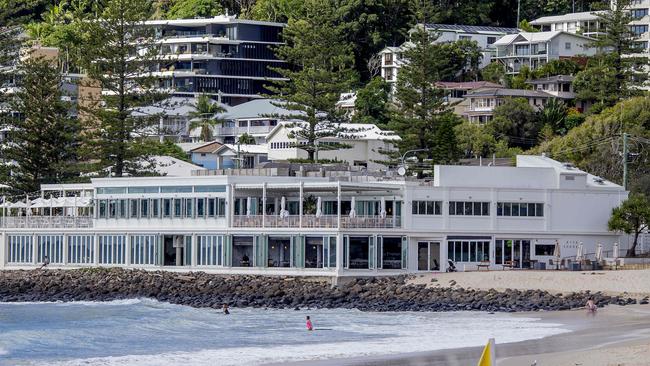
pixel 310 327
pixel 225 309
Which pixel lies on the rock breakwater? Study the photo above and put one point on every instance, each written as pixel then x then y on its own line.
pixel 200 289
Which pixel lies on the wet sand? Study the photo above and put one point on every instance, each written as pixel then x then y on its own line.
pixel 616 335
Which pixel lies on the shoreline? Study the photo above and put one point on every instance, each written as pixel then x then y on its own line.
pixel 617 335
pixel 203 290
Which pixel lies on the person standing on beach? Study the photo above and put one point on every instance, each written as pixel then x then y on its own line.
pixel 310 327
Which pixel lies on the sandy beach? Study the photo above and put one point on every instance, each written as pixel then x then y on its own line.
pixel 631 282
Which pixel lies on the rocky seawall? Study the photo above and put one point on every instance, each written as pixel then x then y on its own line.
pixel 200 289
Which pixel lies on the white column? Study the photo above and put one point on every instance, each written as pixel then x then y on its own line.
pixel 127 255
pixel 230 205
pixel 493 208
pixel 300 197
pixel 340 264
pixel 65 249
pixel 3 251
pixel 35 249
pixel 195 251
pixel 338 210
pixel 96 249
pixel 264 204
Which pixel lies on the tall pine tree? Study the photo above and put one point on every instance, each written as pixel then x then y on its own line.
pixel 423 118
pixel 321 69
pixel 119 58
pixel 43 139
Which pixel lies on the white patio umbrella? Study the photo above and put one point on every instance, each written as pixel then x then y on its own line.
pixel 28 208
pixel 382 211
pixel 557 254
pixel 615 251
pixel 353 212
pixel 283 210
pixel 319 207
pixel 599 252
pixel 579 253
pixel 249 203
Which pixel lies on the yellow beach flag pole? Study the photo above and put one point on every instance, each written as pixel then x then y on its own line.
pixel 488 358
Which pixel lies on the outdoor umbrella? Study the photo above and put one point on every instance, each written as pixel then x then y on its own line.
pixel 249 203
pixel 319 207
pixel 615 251
pixel 579 253
pixel 353 212
pixel 283 211
pixel 557 254
pixel 599 252
pixel 382 213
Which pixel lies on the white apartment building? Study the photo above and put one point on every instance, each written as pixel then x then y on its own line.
pixel 480 104
pixel 585 23
pixel 316 226
pixel 538 48
pixel 484 36
pixel 639 25
pixel 367 144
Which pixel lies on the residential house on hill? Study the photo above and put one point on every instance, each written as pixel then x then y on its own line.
pixel 534 50
pixel 392 57
pixel 585 23
pixel 561 87
pixel 482 102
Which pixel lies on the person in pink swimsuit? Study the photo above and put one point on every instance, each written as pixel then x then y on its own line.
pixel 310 327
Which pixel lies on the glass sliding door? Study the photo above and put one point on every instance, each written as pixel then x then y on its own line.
pixel 513 251
pixel 428 256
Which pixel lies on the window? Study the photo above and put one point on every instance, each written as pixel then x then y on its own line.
pixel 144 189
pixel 427 208
pixel 468 250
pixel 544 249
pixel 638 13
pixel 464 38
pixel 567 45
pixel 457 208
pixel 388 58
pixel 638 30
pixel 491 40
pixel 176 189
pixel 111 190
pixel 520 209
pixel 221 188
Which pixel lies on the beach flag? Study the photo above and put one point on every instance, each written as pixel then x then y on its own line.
pixel 488 357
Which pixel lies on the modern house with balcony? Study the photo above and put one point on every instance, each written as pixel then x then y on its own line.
pixel 392 57
pixel 561 87
pixel 366 145
pixel 533 50
pixel 481 103
pixel 222 56
pixel 585 23
pixel 333 225
pixel 255 118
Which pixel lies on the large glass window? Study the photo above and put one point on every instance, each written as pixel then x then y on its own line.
pixel 112 249
pixel 144 189
pixel 200 207
pixel 144 249
pixel 212 207
pixel 80 249
pixel 457 208
pixel 468 250
pixel 427 208
pixel 391 252
pixel 50 246
pixel 167 207
pixel 520 209
pixel 20 248
pixel 220 188
pixel 134 208
pixel 359 252
pixel 176 189
pixel 210 250
pixel 178 207
pixel 144 208
pixel 189 207
pixel 279 251
pixel 314 252
pixel 242 251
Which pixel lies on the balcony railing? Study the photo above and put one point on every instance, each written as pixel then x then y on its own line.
pixel 47 222
pixel 227 131
pixel 312 221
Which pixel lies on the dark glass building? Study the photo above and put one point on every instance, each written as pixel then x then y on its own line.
pixel 229 58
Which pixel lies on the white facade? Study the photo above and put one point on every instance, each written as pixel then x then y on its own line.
pixel 365 143
pixel 392 57
pixel 640 24
pixel 585 23
pixel 536 49
pixel 318 226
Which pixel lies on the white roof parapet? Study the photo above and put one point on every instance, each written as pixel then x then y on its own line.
pixel 570 17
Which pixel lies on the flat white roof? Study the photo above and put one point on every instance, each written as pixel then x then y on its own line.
pixel 219 19
pixel 571 17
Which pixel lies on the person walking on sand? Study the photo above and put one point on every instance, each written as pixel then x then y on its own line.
pixel 591 305
pixel 225 309
pixel 310 327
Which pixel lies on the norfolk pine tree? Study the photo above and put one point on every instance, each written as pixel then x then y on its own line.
pixel 321 68
pixel 119 57
pixel 44 138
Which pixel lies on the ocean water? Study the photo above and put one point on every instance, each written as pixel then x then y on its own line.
pixel 146 332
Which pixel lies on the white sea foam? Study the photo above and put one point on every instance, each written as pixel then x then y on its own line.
pixel 85 303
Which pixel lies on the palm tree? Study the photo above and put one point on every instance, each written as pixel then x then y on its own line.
pixel 205 116
pixel 246 139
pixel 553 114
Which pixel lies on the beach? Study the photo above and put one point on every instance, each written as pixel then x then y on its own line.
pixel 615 336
